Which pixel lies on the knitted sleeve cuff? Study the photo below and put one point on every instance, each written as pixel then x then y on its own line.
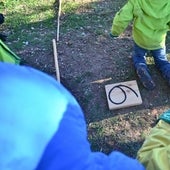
pixel 165 116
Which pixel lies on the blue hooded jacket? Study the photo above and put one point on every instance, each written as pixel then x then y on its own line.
pixel 42 126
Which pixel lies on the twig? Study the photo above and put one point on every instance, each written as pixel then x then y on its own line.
pixel 56 60
pixel 58 20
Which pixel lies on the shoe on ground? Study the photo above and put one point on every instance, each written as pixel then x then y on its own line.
pixel 145 77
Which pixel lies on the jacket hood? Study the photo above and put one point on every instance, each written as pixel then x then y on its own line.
pixel 156 8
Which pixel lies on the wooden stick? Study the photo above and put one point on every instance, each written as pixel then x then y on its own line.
pixel 58 20
pixel 56 60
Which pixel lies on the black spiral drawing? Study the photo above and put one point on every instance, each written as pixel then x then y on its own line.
pixel 123 91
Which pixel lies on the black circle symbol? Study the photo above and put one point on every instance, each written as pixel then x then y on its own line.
pixel 123 91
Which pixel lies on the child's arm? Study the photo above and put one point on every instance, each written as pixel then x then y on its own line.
pixel 122 19
pixel 155 152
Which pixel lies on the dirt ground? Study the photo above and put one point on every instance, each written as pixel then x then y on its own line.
pixel 88 60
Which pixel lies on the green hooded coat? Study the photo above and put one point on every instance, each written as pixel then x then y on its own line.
pixel 151 21
pixel 155 151
pixel 8 56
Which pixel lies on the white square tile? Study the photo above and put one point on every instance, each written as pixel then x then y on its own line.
pixel 124 94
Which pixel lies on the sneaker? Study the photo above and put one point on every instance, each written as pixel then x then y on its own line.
pixel 145 77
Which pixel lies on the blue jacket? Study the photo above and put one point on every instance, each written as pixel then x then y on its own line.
pixel 42 126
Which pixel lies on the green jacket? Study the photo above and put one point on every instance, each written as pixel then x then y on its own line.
pixel 155 151
pixel 8 56
pixel 151 21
